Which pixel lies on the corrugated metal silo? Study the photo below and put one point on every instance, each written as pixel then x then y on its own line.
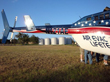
pixel 62 41
pixel 54 41
pixel 68 40
pixel 41 41
pixel 47 41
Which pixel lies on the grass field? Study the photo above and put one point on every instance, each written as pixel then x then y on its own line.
pixel 49 64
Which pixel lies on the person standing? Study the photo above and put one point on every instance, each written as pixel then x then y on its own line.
pixel 88 55
pixel 81 54
pixel 97 57
pixel 105 59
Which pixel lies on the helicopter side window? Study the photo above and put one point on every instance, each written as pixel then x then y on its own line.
pixel 88 19
pixel 96 18
pixel 107 16
pixel 101 17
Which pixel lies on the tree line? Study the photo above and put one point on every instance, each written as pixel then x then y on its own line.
pixel 23 39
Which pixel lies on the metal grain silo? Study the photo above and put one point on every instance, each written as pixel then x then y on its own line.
pixel 47 41
pixel 68 40
pixel 54 41
pixel 62 41
pixel 41 41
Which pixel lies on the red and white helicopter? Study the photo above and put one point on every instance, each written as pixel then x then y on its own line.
pixel 91 32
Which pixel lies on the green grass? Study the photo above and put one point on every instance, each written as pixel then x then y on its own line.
pixel 48 64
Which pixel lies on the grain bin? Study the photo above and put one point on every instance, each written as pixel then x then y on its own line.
pixel 47 41
pixel 62 41
pixel 68 40
pixel 54 41
pixel 41 41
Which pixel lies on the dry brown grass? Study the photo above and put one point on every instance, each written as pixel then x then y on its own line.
pixel 48 64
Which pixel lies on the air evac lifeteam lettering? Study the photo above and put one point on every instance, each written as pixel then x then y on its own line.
pixel 96 41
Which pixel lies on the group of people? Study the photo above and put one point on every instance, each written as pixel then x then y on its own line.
pixel 88 55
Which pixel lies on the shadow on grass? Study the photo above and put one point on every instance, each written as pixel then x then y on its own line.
pixel 79 73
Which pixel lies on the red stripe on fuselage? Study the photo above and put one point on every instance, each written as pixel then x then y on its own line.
pixel 25 31
pixel 104 30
